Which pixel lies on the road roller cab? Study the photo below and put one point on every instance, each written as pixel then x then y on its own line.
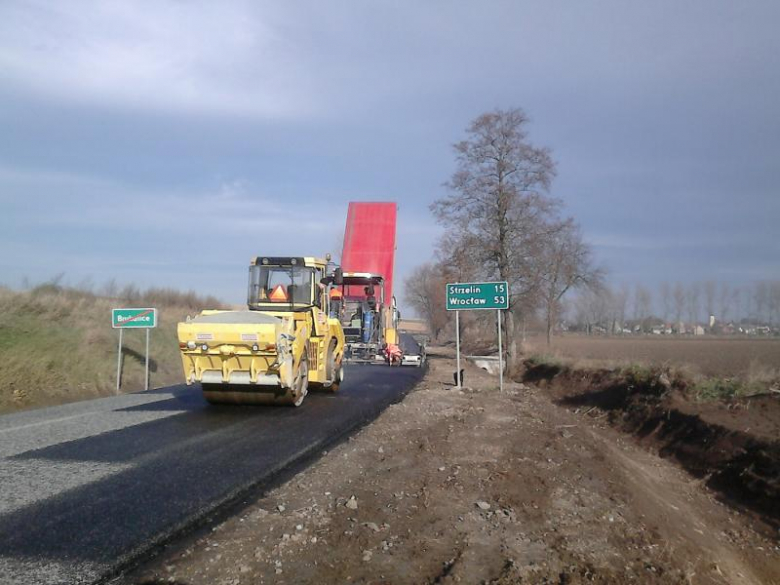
pixel 271 353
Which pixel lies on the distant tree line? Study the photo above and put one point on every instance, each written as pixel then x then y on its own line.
pixel 502 224
pixel 678 307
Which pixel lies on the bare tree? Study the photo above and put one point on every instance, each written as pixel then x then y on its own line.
pixel 747 303
pixel 592 308
pixel 666 300
pixel 724 302
pixel 774 302
pixel 566 263
pixel 620 300
pixel 709 297
pixel 643 302
pixel 692 302
pixel 761 297
pixel 498 204
pixel 616 307
pixel 424 290
pixel 110 288
pixel 679 302
pixel 736 301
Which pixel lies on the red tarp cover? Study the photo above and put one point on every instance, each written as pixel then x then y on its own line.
pixel 369 241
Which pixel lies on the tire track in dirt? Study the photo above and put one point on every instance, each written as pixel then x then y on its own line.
pixel 477 486
pixel 660 489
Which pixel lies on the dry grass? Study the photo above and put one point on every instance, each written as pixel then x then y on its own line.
pixel 57 344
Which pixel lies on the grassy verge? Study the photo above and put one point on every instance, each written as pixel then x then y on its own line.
pixel 57 344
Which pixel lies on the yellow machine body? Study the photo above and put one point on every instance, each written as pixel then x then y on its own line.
pixel 275 350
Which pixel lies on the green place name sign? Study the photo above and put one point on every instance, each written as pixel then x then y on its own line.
pixel 133 318
pixel 465 296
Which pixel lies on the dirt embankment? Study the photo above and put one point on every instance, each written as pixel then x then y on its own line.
pixel 732 445
pixel 477 486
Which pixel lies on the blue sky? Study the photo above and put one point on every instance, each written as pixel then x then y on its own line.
pixel 166 143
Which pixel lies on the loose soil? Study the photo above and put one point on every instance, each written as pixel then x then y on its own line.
pixel 711 356
pixel 477 486
pixel 732 445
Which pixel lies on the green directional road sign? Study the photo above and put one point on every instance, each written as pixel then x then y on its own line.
pixel 465 296
pixel 133 318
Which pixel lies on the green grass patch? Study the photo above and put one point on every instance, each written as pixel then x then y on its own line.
pixel 57 344
pixel 726 389
pixel 639 374
pixel 545 360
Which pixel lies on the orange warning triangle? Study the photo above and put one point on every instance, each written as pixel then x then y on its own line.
pixel 278 294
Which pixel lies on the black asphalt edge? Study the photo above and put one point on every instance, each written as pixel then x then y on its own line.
pixel 243 496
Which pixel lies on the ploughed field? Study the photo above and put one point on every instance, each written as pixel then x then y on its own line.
pixel 710 356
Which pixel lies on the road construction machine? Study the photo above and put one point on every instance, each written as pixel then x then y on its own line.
pixel 369 320
pixel 369 312
pixel 285 342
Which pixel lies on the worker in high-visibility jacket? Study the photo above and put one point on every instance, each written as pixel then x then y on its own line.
pixel 336 303
pixel 393 354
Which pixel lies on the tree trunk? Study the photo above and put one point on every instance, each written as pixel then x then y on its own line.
pixel 511 342
pixel 549 326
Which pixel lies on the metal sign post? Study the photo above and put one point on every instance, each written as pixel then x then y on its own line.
pixel 457 349
pixel 471 296
pixel 146 376
pixel 133 319
pixel 500 355
pixel 119 362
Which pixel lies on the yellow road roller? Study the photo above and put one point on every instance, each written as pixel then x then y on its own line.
pixel 284 343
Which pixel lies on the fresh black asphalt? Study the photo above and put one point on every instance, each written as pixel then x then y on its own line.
pixel 89 487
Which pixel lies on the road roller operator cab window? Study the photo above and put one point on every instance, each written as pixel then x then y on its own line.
pixel 280 288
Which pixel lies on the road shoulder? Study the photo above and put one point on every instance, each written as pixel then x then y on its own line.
pixel 473 486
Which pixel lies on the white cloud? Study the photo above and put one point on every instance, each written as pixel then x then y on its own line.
pixel 192 56
pixel 199 238
pixel 231 209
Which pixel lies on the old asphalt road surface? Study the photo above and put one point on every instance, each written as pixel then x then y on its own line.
pixel 88 487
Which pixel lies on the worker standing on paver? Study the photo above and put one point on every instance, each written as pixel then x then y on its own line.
pixel 336 304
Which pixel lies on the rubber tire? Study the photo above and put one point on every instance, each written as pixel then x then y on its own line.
pixel 333 371
pixel 301 383
pixel 334 387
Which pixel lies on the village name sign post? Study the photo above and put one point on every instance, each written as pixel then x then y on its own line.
pixel 133 319
pixel 470 296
